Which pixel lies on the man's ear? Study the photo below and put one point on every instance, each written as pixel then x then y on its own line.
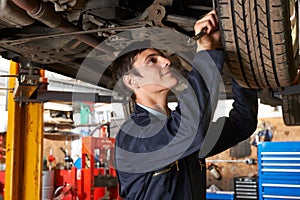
pixel 130 82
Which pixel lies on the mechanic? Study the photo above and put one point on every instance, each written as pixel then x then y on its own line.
pixel 177 171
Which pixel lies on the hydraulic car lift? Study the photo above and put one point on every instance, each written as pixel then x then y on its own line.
pixel 24 145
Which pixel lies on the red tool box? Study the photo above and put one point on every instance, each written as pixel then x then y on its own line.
pixel 93 180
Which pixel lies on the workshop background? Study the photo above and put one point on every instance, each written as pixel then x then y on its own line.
pixel 66 124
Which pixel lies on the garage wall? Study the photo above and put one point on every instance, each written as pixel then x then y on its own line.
pixel 229 171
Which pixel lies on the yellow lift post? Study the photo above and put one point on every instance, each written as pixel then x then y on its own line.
pixel 24 145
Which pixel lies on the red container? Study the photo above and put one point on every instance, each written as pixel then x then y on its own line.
pixel 2 182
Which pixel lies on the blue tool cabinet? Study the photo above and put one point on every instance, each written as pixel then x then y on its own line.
pixel 220 195
pixel 279 170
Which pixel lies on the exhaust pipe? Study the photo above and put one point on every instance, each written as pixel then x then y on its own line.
pixel 41 12
pixel 13 16
pixel 44 13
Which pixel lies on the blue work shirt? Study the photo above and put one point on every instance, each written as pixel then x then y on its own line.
pixel 159 159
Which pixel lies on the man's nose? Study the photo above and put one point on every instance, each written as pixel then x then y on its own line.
pixel 165 62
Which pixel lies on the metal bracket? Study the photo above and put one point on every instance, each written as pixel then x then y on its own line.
pixel 290 90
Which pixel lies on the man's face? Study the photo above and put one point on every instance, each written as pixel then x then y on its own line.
pixel 155 71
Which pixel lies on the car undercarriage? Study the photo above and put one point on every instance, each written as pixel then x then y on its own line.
pixel 260 39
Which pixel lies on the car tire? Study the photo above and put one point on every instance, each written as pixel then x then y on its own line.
pixel 290 109
pixel 260 44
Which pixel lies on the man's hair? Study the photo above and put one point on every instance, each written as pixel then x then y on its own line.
pixel 123 65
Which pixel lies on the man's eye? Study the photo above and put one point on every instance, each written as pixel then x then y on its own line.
pixel 153 60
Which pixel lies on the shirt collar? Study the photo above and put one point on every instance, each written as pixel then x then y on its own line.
pixel 157 114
